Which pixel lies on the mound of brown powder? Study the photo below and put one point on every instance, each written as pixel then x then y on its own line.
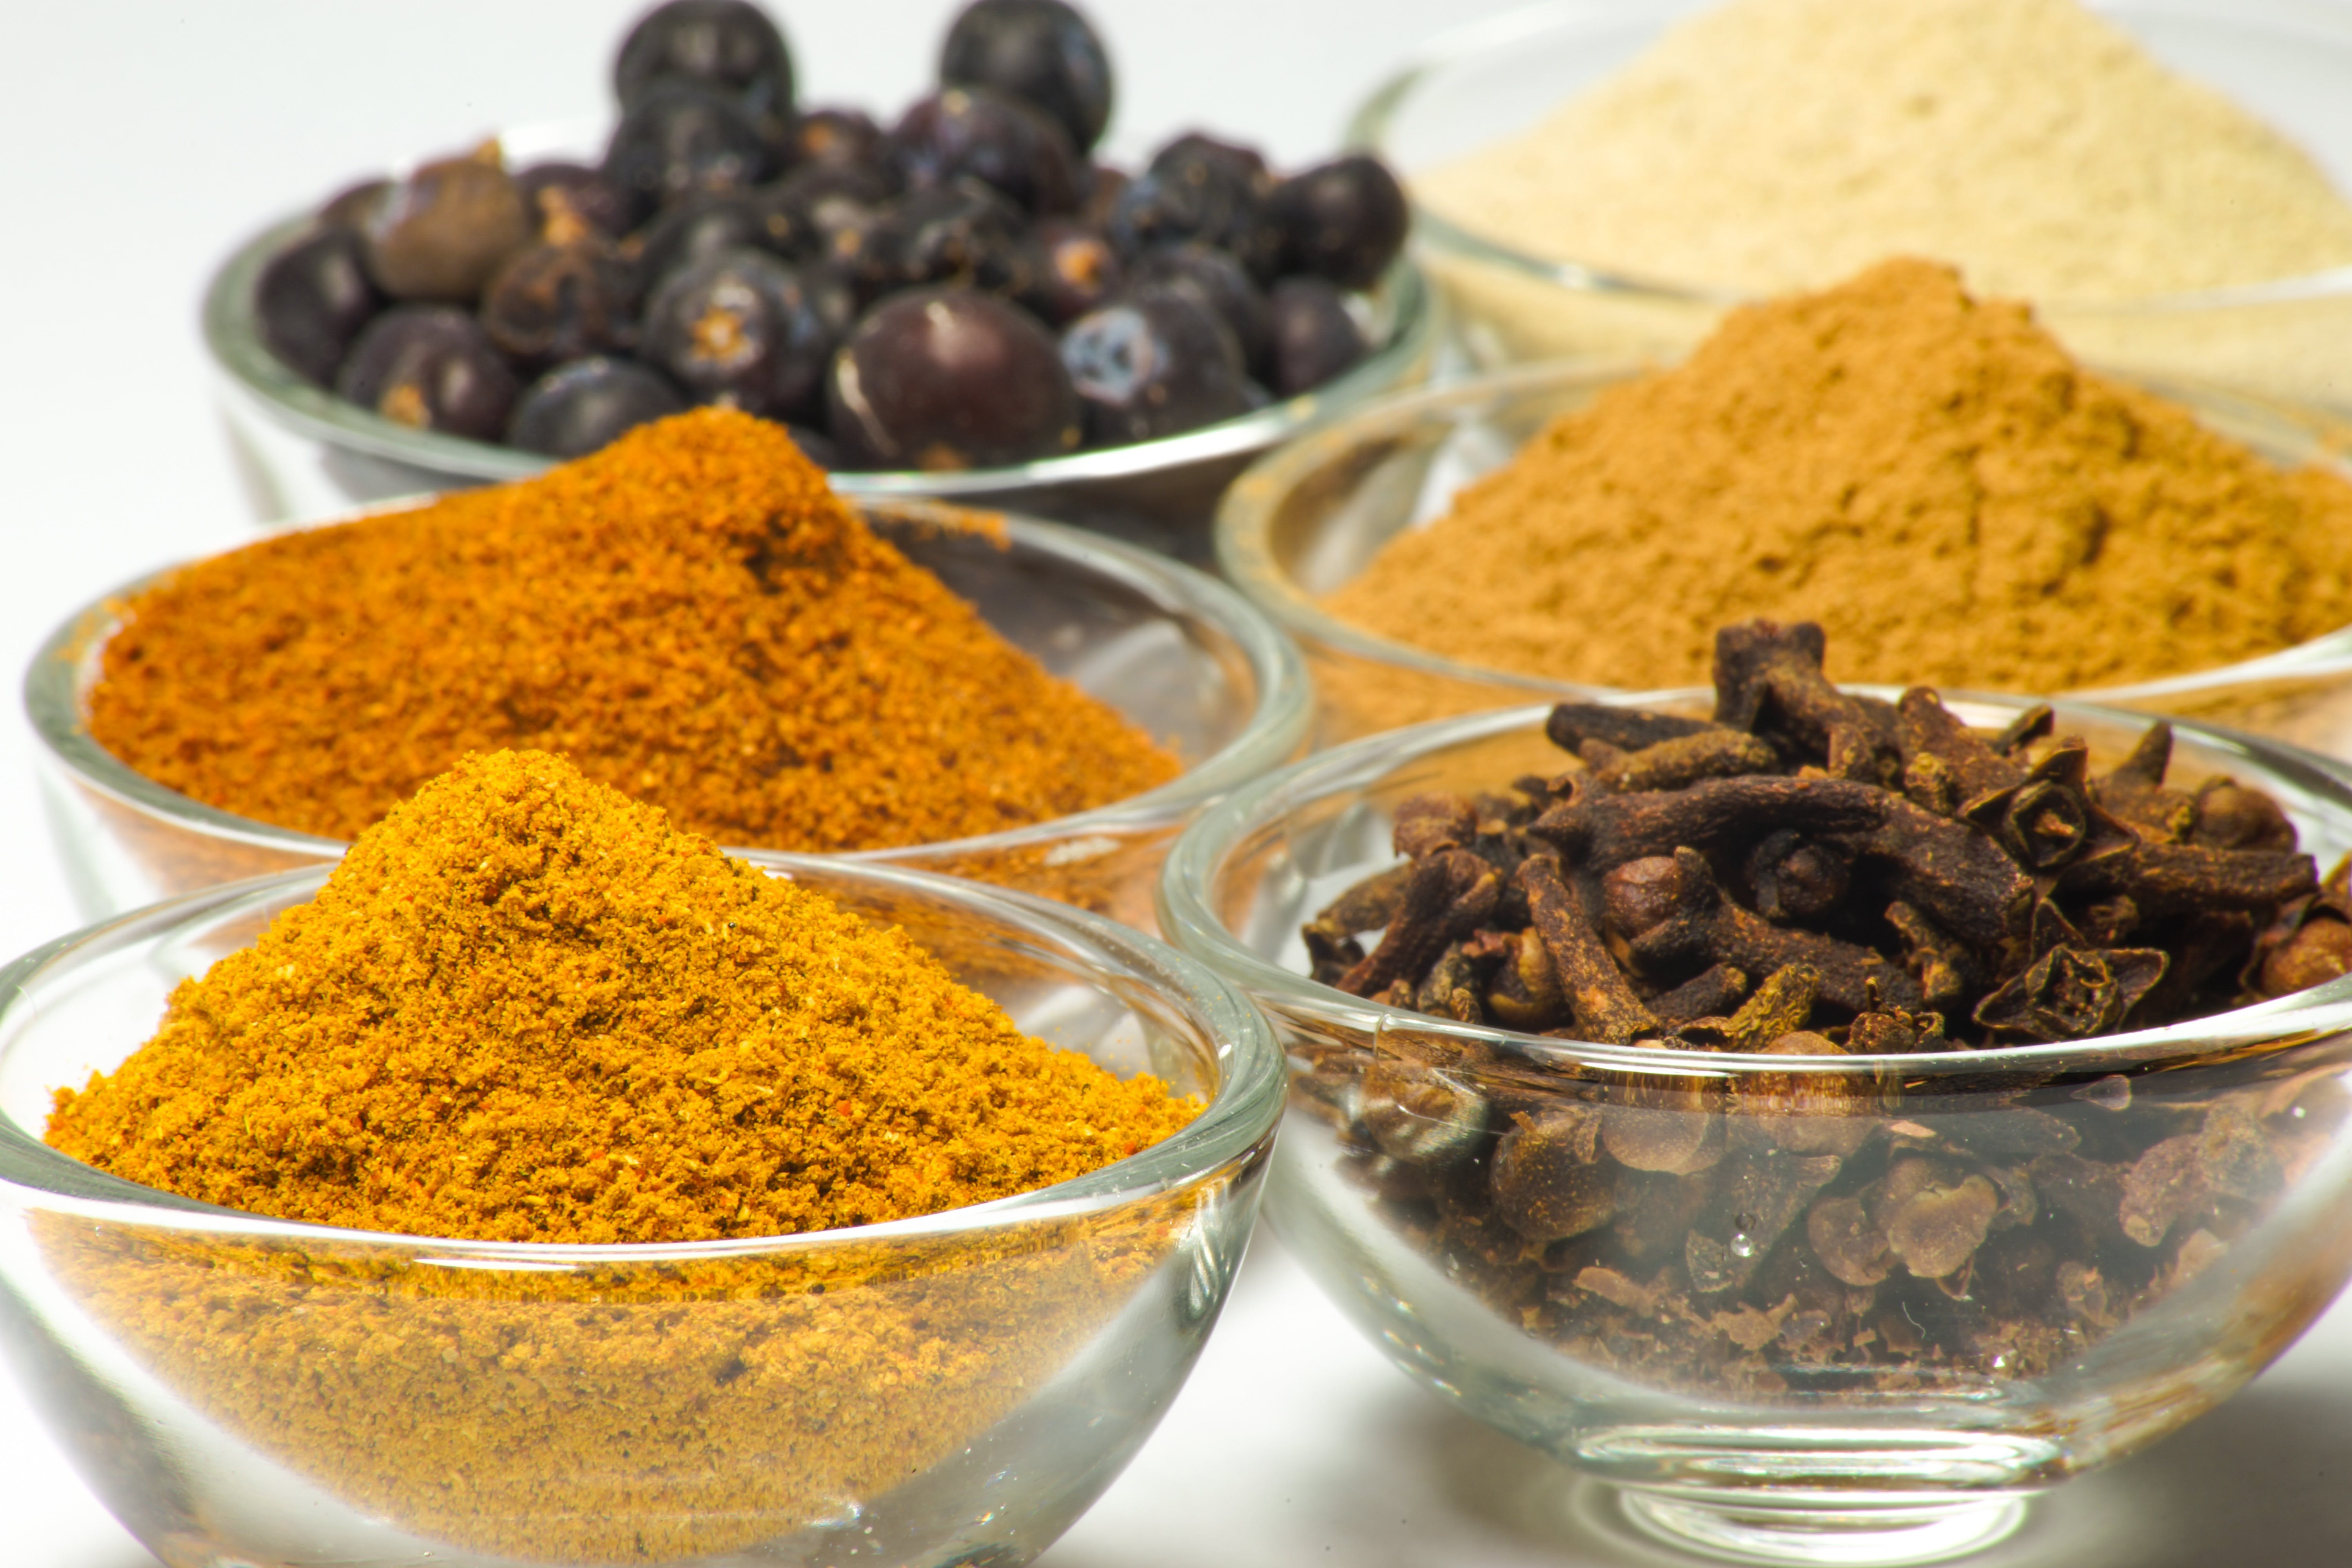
pixel 691 616
pixel 1929 477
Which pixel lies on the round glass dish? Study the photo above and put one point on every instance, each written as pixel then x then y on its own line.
pixel 1308 518
pixel 1743 1401
pixel 2286 61
pixel 950 1389
pixel 305 453
pixel 1179 653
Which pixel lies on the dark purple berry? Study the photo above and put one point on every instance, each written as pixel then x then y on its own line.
pixel 311 301
pixel 555 303
pixel 1221 283
pixel 839 203
pixel 1315 338
pixel 974 134
pixel 725 45
pixel 1344 220
pixel 679 140
pixel 439 233
pixel 1206 191
pixel 835 136
pixel 1155 363
pixel 576 408
pixel 1082 270
pixel 430 367
pixel 1040 51
pixel 747 330
pixel 701 228
pixel 962 233
pixel 584 192
pixel 949 378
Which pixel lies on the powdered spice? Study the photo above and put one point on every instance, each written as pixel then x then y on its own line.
pixel 525 1008
pixel 1930 477
pixel 691 616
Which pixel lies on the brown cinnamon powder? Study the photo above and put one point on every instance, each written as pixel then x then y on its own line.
pixel 1930 477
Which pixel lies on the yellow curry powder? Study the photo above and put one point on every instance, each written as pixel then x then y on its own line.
pixel 691 614
pixel 526 1008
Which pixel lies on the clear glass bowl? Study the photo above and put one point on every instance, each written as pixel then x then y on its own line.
pixel 1728 1430
pixel 2288 61
pixel 1177 652
pixel 306 454
pixel 1308 518
pixel 954 1389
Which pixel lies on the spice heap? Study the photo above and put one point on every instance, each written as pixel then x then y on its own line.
pixel 1931 477
pixel 1775 144
pixel 525 1008
pixel 1817 874
pixel 691 616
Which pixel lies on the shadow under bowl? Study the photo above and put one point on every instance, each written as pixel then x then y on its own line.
pixel 1488 82
pixel 1311 517
pixel 1681 1300
pixel 955 1388
pixel 1180 654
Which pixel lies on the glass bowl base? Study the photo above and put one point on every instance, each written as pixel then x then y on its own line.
pixel 1847 1536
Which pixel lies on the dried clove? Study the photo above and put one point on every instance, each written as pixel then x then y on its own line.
pixel 1841 884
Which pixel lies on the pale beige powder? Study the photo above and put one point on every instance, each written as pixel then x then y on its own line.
pixel 1777 144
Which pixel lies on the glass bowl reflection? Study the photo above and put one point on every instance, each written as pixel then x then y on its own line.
pixel 1692 1347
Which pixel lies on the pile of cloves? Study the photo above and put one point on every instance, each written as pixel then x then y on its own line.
pixel 1816 873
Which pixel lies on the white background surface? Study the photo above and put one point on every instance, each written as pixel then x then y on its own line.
pixel 141 138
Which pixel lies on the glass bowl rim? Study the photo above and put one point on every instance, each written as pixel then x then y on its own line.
pixel 1238 1117
pixel 234 344
pixel 1277 724
pixel 1370 123
pixel 1190 921
pixel 1242 536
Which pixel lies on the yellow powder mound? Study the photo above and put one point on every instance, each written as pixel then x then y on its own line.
pixel 526 1008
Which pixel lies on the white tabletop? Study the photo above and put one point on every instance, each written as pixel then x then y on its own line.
pixel 142 137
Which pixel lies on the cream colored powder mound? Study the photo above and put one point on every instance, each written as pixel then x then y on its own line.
pixel 1781 145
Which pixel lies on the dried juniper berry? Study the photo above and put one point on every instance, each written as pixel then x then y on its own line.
pixel 835 136
pixel 949 378
pixel 1315 338
pixel 964 232
pixel 1344 220
pixel 430 367
pixel 439 233
pixel 701 228
pixel 581 191
pixel 837 204
pixel 564 299
pixel 349 207
pixel 311 301
pixel 679 140
pixel 725 45
pixel 1154 363
pixel 974 134
pixel 1082 270
pixel 745 330
pixel 576 408
pixel 1198 188
pixel 1221 283
pixel 1043 52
